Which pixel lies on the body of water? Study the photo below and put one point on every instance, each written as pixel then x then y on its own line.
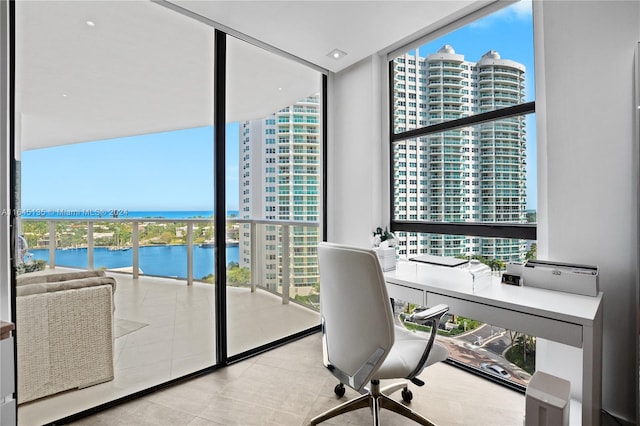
pixel 166 261
pixel 160 260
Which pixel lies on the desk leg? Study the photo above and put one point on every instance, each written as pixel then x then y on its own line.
pixel 592 372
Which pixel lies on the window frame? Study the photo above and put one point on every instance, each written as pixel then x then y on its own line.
pixel 526 231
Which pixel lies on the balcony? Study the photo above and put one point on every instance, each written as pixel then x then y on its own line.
pixel 176 338
pixel 165 325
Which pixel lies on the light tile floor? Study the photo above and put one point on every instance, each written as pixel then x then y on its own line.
pixel 289 385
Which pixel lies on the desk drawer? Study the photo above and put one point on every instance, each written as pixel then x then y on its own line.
pixel 406 294
pixel 547 328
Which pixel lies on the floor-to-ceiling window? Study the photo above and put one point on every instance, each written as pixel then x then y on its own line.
pixel 463 162
pixel 117 148
pixel 114 139
pixel 274 173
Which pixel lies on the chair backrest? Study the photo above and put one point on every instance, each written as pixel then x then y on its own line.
pixel 358 327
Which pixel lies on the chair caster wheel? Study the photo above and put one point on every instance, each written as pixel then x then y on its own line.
pixel 339 390
pixel 407 395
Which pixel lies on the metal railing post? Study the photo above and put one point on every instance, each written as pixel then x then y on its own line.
pixel 90 245
pixel 265 257
pixel 286 264
pixel 135 235
pixel 254 255
pixel 52 244
pixel 189 253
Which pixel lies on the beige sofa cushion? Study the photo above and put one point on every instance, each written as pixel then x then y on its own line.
pixel 48 287
pixel 48 276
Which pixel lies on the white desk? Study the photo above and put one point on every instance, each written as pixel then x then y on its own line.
pixel 571 319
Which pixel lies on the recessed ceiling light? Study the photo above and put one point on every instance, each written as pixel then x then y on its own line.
pixel 336 54
pixel 91 23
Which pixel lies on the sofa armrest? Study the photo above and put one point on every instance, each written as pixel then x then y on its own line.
pixel 65 341
pixel 56 276
pixel 49 287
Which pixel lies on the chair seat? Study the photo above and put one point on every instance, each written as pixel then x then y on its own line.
pixel 406 353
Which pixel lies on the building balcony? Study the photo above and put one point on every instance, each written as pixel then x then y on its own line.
pixel 507 71
pixel 446 91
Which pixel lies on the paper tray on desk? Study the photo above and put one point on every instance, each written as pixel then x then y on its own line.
pixel 567 277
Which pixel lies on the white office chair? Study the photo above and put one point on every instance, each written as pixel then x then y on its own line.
pixel 361 342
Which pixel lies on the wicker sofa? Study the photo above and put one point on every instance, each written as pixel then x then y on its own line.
pixel 64 329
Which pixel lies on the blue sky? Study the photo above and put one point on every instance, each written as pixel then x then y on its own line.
pixel 163 171
pixel 174 170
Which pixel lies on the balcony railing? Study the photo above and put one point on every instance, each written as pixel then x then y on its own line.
pixel 281 233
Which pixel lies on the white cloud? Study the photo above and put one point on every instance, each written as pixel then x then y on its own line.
pixel 516 12
pixel 521 10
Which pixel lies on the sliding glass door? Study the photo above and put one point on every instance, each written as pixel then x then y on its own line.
pixel 273 191
pixel 115 145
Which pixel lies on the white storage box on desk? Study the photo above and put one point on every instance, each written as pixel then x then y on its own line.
pixel 567 277
pixel 387 257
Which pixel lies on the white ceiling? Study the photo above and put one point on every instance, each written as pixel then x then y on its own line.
pixel 312 29
pixel 144 68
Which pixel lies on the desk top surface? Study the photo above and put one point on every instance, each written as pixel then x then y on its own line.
pixel 557 305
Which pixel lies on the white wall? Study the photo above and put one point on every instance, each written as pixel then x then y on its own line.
pixel 588 209
pixel 5 302
pixel 588 174
pixel 357 171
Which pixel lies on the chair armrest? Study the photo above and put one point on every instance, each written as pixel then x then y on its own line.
pixel 431 315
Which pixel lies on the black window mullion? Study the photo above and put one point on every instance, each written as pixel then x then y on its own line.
pixel 325 154
pixel 525 231
pixel 219 140
pixel 520 109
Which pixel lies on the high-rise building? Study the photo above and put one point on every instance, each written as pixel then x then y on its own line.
pixel 280 177
pixel 471 174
